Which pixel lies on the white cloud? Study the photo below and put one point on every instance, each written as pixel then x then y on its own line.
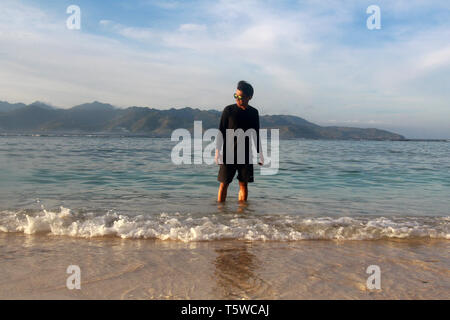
pixel 438 58
pixel 141 34
pixel 189 27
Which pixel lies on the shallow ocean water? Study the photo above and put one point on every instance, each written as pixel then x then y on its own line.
pixel 92 185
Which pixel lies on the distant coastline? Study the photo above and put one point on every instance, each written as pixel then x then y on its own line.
pixel 143 135
pixel 428 140
pixel 102 118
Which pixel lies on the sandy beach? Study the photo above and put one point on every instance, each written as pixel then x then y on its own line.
pixel 34 267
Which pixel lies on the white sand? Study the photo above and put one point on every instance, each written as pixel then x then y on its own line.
pixel 34 267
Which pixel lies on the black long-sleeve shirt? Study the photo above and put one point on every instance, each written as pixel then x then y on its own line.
pixel 235 118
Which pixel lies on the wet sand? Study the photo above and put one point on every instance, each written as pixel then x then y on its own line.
pixel 34 267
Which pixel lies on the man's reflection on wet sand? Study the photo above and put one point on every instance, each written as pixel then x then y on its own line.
pixel 235 271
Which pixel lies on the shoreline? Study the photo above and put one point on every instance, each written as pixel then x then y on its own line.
pixel 146 135
pixel 34 267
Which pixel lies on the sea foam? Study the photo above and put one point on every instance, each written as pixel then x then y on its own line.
pixel 191 227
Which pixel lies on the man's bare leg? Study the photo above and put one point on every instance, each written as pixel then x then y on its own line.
pixel 222 195
pixel 243 191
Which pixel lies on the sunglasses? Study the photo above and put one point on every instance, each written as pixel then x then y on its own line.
pixel 239 97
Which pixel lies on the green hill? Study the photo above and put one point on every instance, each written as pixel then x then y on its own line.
pixel 97 117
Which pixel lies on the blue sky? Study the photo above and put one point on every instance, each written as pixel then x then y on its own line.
pixel 314 59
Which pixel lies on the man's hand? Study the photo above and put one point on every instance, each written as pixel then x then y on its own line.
pixel 261 159
pixel 217 157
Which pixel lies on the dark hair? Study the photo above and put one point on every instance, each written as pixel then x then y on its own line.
pixel 246 88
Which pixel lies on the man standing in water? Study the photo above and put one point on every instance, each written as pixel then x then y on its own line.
pixel 237 116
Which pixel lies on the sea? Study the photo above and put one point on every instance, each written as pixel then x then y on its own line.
pixel 89 186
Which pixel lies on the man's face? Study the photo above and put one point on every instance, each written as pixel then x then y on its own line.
pixel 243 102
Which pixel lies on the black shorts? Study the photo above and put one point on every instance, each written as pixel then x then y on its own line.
pixel 227 172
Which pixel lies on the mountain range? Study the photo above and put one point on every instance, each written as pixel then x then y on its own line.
pixel 97 117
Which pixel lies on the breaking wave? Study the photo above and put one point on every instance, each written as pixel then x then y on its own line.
pixel 189 227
